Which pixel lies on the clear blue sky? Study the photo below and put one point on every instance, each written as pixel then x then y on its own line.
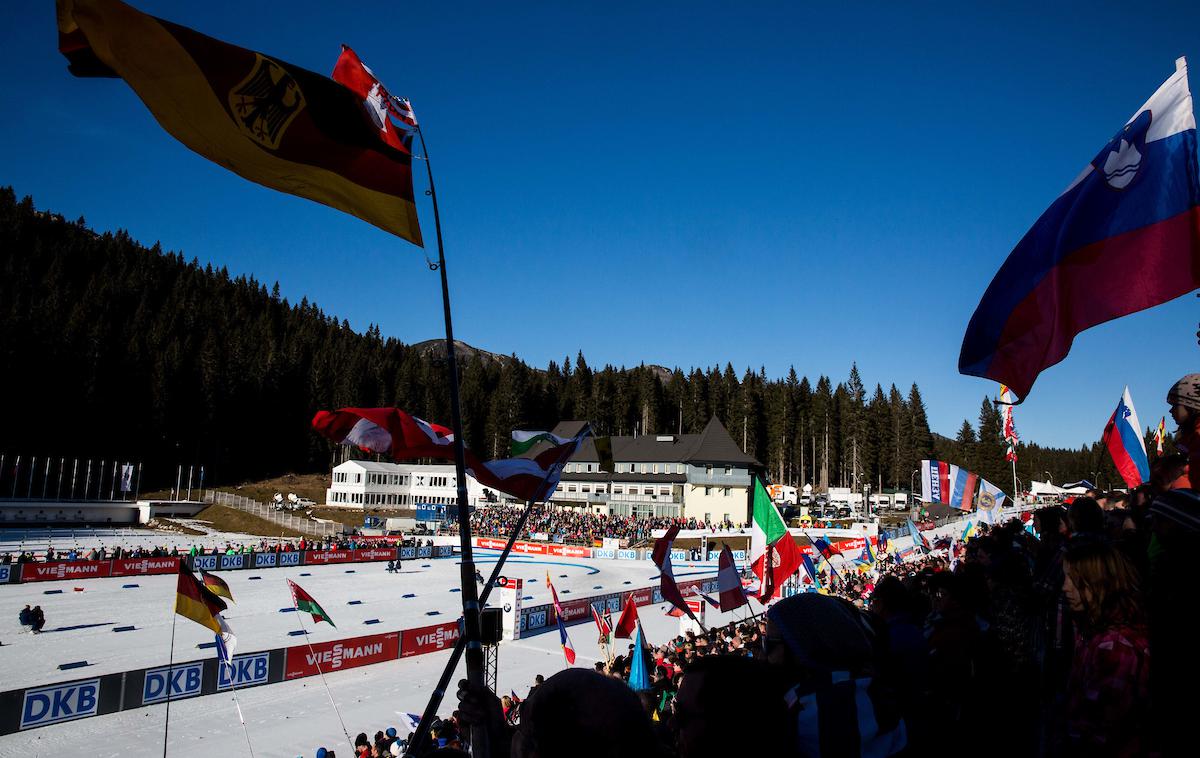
pixel 682 183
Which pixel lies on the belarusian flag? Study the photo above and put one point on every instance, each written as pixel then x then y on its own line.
pixel 770 545
pixel 305 602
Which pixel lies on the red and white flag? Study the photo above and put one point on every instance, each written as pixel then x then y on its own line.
pixel 379 105
pixel 729 583
pixel 601 624
pixel 662 558
pixel 389 431
pixel 627 624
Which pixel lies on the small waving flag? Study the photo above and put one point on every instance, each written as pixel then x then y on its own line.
pixel 563 639
pixel 627 623
pixel 1123 438
pixel 601 625
pixel 305 602
pixel 667 585
pixel 1160 434
pixel 193 601
pixel 215 584
pixel 728 582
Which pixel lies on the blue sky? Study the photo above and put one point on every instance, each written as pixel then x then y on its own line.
pixel 673 183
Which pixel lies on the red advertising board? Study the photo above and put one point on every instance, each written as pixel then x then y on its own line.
pixel 573 610
pixel 529 548
pixel 569 551
pixel 641 597
pixel 46 572
pixel 143 566
pixel 328 556
pixel 375 554
pixel 491 544
pixel 428 639
pixel 303 660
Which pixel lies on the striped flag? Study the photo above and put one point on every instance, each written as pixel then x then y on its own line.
pixel 1010 428
pixel 729 583
pixel 307 603
pixel 194 601
pixel 215 584
pixel 1160 434
pixel 564 640
pixel 602 625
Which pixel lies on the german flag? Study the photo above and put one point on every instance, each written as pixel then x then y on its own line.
pixel 267 120
pixel 194 601
pixel 215 584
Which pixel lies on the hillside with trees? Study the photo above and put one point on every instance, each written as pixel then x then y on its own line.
pixel 116 350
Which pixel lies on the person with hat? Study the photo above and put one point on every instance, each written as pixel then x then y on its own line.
pixel 1184 399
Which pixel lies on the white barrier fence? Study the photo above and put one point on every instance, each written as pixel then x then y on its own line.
pixel 268 513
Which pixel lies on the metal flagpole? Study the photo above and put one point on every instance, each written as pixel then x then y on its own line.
pixel 170 665
pixel 470 598
pixel 435 698
pixel 317 663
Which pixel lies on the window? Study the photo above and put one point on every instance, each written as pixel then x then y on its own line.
pixel 643 468
pixel 729 471
pixel 678 468
pixel 707 492
pixel 570 488
pixel 656 468
pixel 618 489
pixel 585 488
pixel 725 491
pixel 589 468
pixel 708 469
pixel 664 490
pixel 707 517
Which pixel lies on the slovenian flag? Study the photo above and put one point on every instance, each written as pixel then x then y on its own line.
pixel 1123 237
pixel 1123 438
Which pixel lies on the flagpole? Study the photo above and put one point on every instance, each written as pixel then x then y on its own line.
pixel 236 704
pixel 472 631
pixel 435 698
pixel 317 663
pixel 170 665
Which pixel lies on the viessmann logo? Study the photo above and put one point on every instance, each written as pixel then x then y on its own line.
pixel 62 570
pixel 439 639
pixel 151 565
pixel 327 555
pixel 334 658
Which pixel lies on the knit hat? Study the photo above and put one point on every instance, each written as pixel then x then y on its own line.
pixel 1186 392
pixel 824 633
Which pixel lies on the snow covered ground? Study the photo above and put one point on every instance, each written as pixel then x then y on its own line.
pixel 290 718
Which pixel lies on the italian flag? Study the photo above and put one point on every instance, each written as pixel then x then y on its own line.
pixel 773 553
pixel 305 602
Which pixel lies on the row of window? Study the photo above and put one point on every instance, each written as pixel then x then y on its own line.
pixel 644 468
pixel 394 480
pixel 342 477
pixel 723 491
pixel 385 498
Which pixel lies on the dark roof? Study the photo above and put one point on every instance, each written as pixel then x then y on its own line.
pixel 713 445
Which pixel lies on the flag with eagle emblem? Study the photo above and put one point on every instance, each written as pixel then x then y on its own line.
pixel 266 120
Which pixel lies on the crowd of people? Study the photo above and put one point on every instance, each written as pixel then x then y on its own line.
pixel 578 526
pixel 1070 634
pixel 104 552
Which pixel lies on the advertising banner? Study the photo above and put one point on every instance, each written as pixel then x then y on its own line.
pixel 428 639
pixel 443 551
pixel 5 573
pixel 604 552
pixel 511 592
pixel 529 548
pixel 573 610
pixel 316 557
pixel 60 702
pixel 627 555
pixel 408 553
pixel 288 558
pixel 46 572
pixel 230 562
pixel 204 562
pixel 375 554
pixel 144 566
pixel 425 552
pixel 570 551
pixel 245 671
pixel 536 617
pixel 264 560
pixel 341 654
pixel 184 680
pixel 490 543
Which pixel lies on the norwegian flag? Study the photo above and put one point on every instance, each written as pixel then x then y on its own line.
pixel 601 624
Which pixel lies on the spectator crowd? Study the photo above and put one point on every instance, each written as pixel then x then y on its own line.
pixel 1070 633
pixel 577 526
pixel 104 552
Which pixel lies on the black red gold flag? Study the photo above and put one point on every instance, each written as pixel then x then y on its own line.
pixel 266 120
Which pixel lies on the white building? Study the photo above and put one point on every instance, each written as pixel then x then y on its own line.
pixel 705 476
pixel 367 484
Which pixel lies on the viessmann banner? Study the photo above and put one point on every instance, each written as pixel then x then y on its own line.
pixel 303 660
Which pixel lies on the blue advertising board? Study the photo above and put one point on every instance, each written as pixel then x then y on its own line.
pixel 291 558
pixel 62 702
pixel 247 670
pixel 264 560
pixel 235 561
pixel 205 562
pixel 185 681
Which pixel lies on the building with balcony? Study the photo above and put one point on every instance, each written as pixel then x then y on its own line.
pixel 367 484
pixel 704 476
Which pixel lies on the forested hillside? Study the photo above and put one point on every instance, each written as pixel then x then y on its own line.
pixel 114 350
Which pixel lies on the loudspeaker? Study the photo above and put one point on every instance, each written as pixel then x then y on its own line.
pixel 491 627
